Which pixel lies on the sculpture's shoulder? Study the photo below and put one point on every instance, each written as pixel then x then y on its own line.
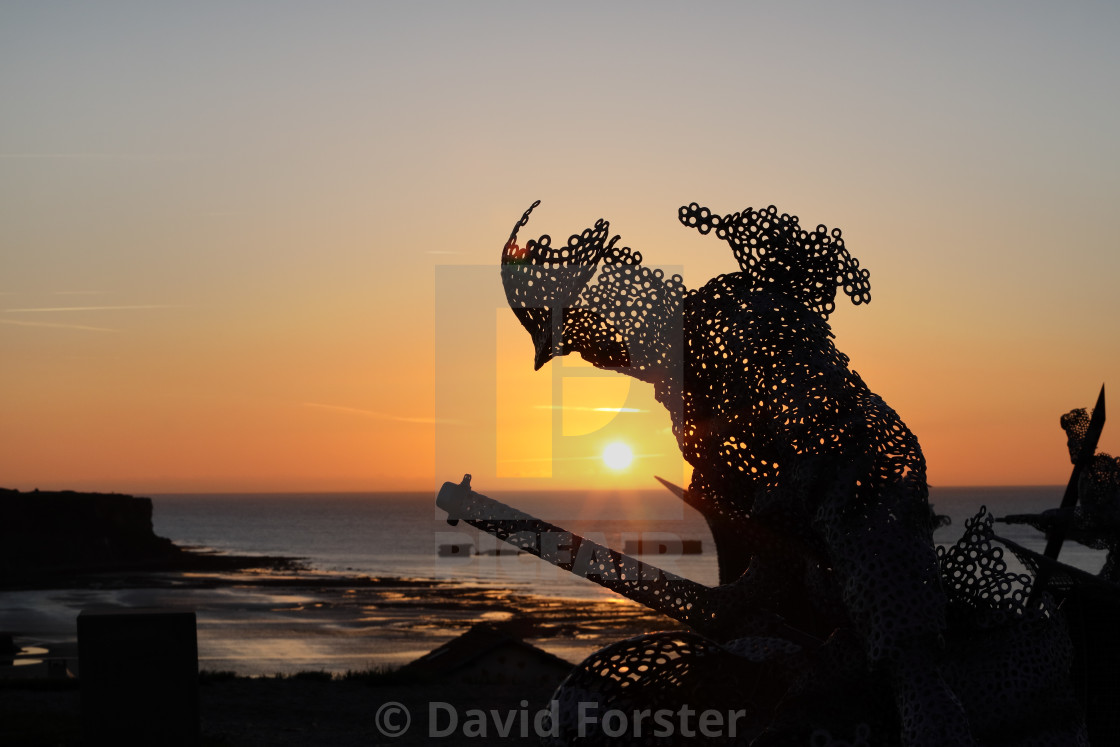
pixel 742 320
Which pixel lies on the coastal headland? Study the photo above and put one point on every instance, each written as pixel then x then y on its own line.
pixel 53 538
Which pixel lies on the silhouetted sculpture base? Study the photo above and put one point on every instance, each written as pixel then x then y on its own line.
pixel 138 671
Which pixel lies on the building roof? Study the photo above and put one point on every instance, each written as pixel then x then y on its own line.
pixel 483 641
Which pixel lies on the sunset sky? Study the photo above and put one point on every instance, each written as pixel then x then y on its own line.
pixel 253 246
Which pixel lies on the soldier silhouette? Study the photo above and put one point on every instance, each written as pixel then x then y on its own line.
pixel 814 489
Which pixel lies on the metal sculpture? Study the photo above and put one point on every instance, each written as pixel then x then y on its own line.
pixel 831 591
pixel 1095 484
pixel 1090 605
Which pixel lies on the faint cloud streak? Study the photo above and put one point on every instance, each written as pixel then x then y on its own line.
pixel 88 308
pixel 56 325
pixel 588 409
pixel 593 457
pixel 381 415
pixel 94 156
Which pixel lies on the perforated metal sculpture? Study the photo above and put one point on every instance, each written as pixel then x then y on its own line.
pixel 778 429
pixel 832 594
pixel 1095 519
pixel 1090 605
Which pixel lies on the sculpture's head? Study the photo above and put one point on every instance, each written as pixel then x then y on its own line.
pixel 594 297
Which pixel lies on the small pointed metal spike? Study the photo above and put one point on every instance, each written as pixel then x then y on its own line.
pixel 675 489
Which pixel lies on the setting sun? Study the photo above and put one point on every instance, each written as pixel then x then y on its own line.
pixel 617 455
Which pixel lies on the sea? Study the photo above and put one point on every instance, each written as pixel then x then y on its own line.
pixel 249 625
pixel 401 534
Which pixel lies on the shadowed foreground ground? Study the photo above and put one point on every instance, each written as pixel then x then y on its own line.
pixel 269 711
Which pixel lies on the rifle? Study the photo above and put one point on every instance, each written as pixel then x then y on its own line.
pixel 710 611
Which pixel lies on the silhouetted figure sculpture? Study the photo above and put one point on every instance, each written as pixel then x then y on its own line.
pixel 1097 518
pixel 814 489
pixel 1095 522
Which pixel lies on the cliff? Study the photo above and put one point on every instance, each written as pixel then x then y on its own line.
pixel 45 535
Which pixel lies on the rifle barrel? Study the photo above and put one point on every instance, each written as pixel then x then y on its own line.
pixel 679 598
pixel 717 613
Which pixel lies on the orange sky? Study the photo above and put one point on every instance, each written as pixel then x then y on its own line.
pixel 228 235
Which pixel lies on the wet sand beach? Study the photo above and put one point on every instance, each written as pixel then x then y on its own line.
pixel 259 624
pixel 268 622
pixel 288 653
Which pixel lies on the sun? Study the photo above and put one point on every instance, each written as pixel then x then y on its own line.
pixel 617 455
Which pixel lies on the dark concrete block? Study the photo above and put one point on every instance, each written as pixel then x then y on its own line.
pixel 138 671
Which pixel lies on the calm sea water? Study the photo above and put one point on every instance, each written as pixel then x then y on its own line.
pixel 262 630
pixel 398 534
